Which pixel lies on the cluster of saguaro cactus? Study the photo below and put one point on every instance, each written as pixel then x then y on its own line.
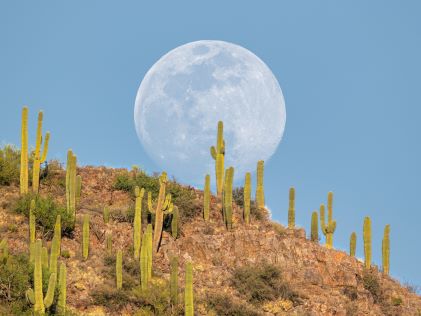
pixel 85 237
pixel 328 228
pixel 119 269
pixel 72 185
pixel 4 250
pixel 367 242
pixel 35 296
pixel 137 223
pixel 260 194
pixel 39 157
pixel 386 249
pixel 352 244
pixel 291 208
pixel 227 194
pixel 314 227
pixel 24 173
pixel 188 291
pixel 174 281
pixel 218 154
pixel 62 285
pixel 146 258
pixel 206 198
pixel 247 198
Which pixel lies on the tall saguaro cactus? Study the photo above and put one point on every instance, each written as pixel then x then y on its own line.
pixel 328 228
pixel 386 249
pixel 119 269
pixel 35 296
pixel 39 157
pixel 367 242
pixel 54 254
pixel 247 197
pixel 57 232
pixel 24 153
pixel 188 291
pixel 314 227
pixel 85 237
pixel 174 281
pixel 206 198
pixel 291 208
pixel 260 194
pixel 137 223
pixel 146 258
pixel 218 154
pixel 32 223
pixel 175 222
pixel 352 244
pixel 62 284
pixel 229 177
pixel 71 183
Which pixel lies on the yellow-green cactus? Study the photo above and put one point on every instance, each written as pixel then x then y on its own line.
pixel 188 291
pixel 85 237
pixel 229 177
pixel 106 215
pixel 367 242
pixel 54 254
pixel 62 284
pixel 71 183
pixel 119 269
pixel 44 257
pixel 137 223
pixel 146 258
pixel 57 232
pixel 24 174
pixel 206 198
pixel 175 222
pixel 260 194
pixel 352 244
pixel 4 250
pixel 109 243
pixel 32 223
pixel 314 227
pixel 247 197
pixel 39 157
pixel 174 281
pixel 328 228
pixel 386 249
pixel 218 154
pixel 291 208
pixel 78 189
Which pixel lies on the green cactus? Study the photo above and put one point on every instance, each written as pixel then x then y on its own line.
pixel 367 242
pixel 260 195
pixel 78 189
pixel 229 176
pixel 109 243
pixel 54 254
pixel 57 232
pixel 137 223
pixel 35 296
pixel 247 197
pixel 4 250
pixel 71 183
pixel 85 237
pixel 119 269
pixel 218 154
pixel 386 249
pixel 39 157
pixel 62 284
pixel 146 258
pixel 291 208
pixel 328 229
pixel 206 198
pixel 174 281
pixel 24 174
pixel 314 227
pixel 188 291
pixel 44 257
pixel 352 244
pixel 106 215
pixel 175 222
pixel 32 223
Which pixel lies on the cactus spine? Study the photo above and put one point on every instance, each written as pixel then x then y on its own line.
pixel 218 154
pixel 291 208
pixel 24 153
pixel 206 198
pixel 260 195
pixel 119 269
pixel 229 177
pixel 71 183
pixel 188 291
pixel 39 157
pixel 314 227
pixel 146 258
pixel 247 197
pixel 137 223
pixel 32 223
pixel 62 283
pixel 352 244
pixel 367 242
pixel 36 297
pixel 386 249
pixel 174 281
pixel 328 228
pixel 85 237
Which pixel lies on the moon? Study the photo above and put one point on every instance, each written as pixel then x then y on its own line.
pixel 188 90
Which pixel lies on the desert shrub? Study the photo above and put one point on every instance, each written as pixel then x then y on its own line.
pixel 46 211
pixel 351 309
pixel 371 284
pixel 65 254
pixel 396 301
pixel 350 292
pixel 264 283
pixel 223 305
pixel 278 228
pixel 108 295
pixel 255 212
pixel 52 174
pixel 413 288
pixel 9 165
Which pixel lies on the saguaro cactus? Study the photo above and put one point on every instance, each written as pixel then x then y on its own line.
pixel 57 232
pixel 54 253
pixel 247 197
pixel 229 176
pixel 386 249
pixel 175 222
pixel 291 208
pixel 62 284
pixel 78 188
pixel 24 174
pixel 218 154
pixel 314 227
pixel 367 242
pixel 352 244
pixel 174 281
pixel 109 243
pixel 106 215
pixel 85 237
pixel 35 296
pixel 260 194
pixel 71 183
pixel 137 223
pixel 119 269
pixel 44 257
pixel 39 157
pixel 4 250
pixel 328 228
pixel 206 198
pixel 188 291
pixel 32 223
pixel 146 258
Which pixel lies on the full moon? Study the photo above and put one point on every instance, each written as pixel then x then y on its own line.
pixel 184 95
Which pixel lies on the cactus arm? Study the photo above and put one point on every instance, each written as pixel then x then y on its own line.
pixel 61 302
pixel 30 296
pixel 54 255
pixel 150 206
pixel 45 149
pixel 57 233
pixel 159 215
pixel 44 257
pixel 48 300
pixel 213 152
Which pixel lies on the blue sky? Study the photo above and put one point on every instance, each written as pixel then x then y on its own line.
pixel 349 71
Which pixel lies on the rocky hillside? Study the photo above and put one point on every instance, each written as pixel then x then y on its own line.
pixel 259 269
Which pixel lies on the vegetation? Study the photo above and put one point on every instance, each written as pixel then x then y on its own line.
pixel 247 198
pixel 227 205
pixel 372 284
pixel 352 244
pixel 218 154
pixel 9 165
pixel 314 236
pixel 386 249
pixel 260 195
pixel 291 208
pixel 367 242
pixel 223 305
pixel 206 198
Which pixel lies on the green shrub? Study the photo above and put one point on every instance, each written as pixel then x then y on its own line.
pixel 46 211
pixel 397 301
pixel 264 283
pixel 9 165
pixel 223 305
pixel 65 254
pixel 371 283
pixel 53 174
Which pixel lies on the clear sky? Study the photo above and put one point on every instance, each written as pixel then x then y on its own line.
pixel 349 71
